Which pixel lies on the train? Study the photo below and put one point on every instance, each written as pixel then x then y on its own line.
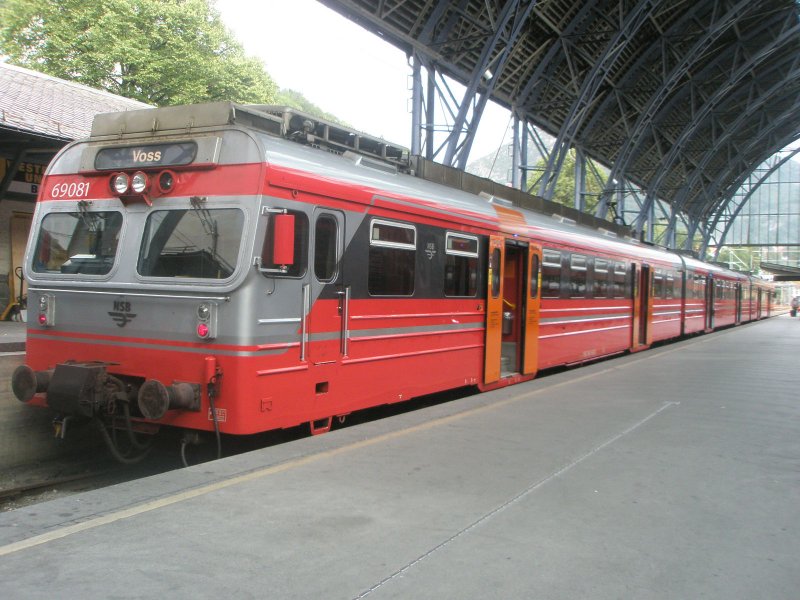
pixel 233 269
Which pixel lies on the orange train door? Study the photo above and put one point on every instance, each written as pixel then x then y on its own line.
pixel 494 310
pixel 532 305
pixel 710 300
pixel 642 279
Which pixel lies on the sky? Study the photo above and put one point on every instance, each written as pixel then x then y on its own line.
pixel 341 67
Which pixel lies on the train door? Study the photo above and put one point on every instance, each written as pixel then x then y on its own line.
pixel 710 298
pixel 686 278
pixel 494 310
pixel 758 305
pixel 327 296
pixel 738 292
pixel 642 281
pixel 512 309
pixel 532 306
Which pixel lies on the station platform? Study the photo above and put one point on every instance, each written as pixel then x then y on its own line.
pixel 671 473
pixel 12 336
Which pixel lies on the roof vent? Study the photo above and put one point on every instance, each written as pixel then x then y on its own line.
pixel 564 220
pixel 606 232
pixel 495 200
pixel 364 161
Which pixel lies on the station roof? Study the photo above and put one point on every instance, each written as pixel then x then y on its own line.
pixel 682 97
pixel 39 114
pixel 40 105
pixel 781 272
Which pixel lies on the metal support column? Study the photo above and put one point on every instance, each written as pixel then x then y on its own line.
pixel 580 180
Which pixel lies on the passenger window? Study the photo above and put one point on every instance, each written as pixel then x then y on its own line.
pixel 325 248
pixel 622 284
pixel 392 259
pixel 577 276
pixel 298 269
pixel 551 274
pixel 670 286
pixel 461 265
pixel 658 284
pixel 600 287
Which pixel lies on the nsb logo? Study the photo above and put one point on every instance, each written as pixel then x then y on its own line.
pixel 122 315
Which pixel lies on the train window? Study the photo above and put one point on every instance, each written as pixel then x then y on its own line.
pixel 669 285
pixel 658 284
pixel 622 284
pixel 551 274
pixel 82 243
pixel 600 286
pixel 577 276
pixel 199 243
pixel 392 259
pixel 494 272
pixel 535 277
pixel 326 232
pixel 461 265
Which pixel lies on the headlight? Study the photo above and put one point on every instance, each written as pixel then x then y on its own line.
pixel 139 182
pixel 120 183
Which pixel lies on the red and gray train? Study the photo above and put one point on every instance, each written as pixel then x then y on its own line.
pixel 239 268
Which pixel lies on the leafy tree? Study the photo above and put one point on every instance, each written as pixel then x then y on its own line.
pixel 297 100
pixel 564 192
pixel 158 51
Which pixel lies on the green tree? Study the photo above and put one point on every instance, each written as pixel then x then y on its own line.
pixel 564 192
pixel 287 97
pixel 158 51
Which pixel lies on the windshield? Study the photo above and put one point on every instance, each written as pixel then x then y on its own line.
pixel 198 243
pixel 79 242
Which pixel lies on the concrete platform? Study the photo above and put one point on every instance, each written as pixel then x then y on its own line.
pixel 12 336
pixel 672 473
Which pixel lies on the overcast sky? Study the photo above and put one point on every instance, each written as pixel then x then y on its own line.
pixel 341 67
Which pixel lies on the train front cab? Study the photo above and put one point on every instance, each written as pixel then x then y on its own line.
pixel 513 303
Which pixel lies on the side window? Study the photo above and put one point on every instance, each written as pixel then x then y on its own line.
pixel 600 288
pixel 551 274
pixel 658 284
pixel 622 284
pixel 298 269
pixel 577 276
pixel 326 235
pixel 461 265
pixel 670 285
pixel 392 258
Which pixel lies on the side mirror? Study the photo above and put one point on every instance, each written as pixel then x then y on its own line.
pixel 283 240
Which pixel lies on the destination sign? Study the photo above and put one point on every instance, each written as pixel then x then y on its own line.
pixel 140 157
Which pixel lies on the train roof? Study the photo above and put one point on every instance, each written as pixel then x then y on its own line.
pixel 338 153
